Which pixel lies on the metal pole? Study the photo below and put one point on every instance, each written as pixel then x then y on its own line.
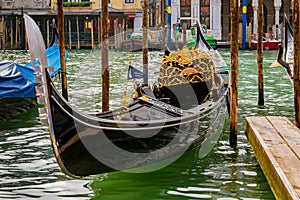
pixel 104 52
pixel 169 10
pixel 296 62
pixel 244 20
pixel 61 35
pixel 234 48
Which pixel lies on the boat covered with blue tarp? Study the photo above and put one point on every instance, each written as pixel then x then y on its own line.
pixel 17 83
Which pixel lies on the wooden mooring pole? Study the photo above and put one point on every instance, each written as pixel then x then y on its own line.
pixel 260 54
pixel 99 32
pixel 11 34
pixel 70 35
pixel 104 54
pixel 234 49
pixel 48 32
pixel 3 33
pixel 296 62
pixel 61 36
pixel 145 40
pixel 92 33
pixel 78 34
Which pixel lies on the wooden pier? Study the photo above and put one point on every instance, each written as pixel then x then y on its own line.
pixel 276 144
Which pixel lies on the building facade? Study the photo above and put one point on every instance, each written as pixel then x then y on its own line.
pixel 26 4
pixel 84 16
pixel 133 10
pixel 207 11
pixel 216 14
pixel 273 14
pixel 12 30
pixel 82 21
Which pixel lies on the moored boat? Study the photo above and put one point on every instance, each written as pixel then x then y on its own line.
pixel 135 42
pixel 210 40
pixel 267 44
pixel 191 36
pixel 158 126
pixel 17 84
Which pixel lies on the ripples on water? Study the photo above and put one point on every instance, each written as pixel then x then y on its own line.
pixel 28 169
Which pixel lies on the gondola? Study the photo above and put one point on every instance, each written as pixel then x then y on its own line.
pixel 157 127
pixel 286 50
pixel 135 42
pixel 17 84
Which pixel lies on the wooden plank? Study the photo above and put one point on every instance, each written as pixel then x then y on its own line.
pixel 289 155
pixel 266 142
pixel 288 132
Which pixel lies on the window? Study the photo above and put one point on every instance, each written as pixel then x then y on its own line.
pixel 205 12
pixel 129 1
pixel 185 8
pixel 88 25
pixel 185 3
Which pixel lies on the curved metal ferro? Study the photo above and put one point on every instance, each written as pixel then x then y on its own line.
pixel 282 62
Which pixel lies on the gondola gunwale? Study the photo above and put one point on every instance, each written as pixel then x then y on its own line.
pixel 207 106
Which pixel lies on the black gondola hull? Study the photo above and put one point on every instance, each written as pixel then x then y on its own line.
pixel 86 145
pixel 151 130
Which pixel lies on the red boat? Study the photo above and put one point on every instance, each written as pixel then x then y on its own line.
pixel 267 45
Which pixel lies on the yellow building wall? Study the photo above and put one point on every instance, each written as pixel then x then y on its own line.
pixel 126 7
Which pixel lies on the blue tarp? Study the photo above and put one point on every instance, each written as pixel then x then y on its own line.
pixel 53 59
pixel 17 81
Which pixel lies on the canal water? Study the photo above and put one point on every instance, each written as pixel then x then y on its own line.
pixel 28 169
